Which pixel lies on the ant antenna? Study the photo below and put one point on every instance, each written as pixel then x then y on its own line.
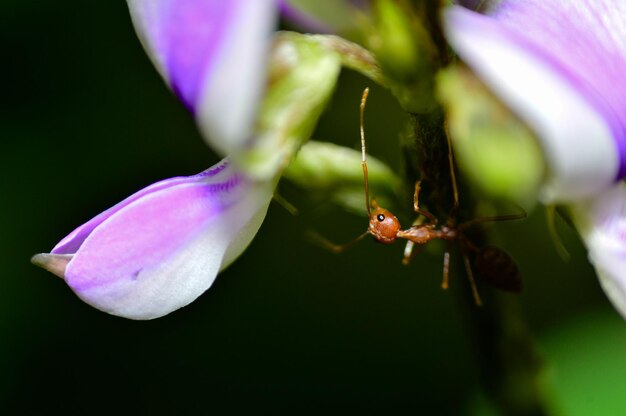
pixel 319 239
pixel 554 234
pixel 470 277
pixel 480 220
pixel 366 92
pixel 455 188
pixel 455 191
pixel 323 242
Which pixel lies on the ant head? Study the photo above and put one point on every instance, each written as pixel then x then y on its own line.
pixel 384 226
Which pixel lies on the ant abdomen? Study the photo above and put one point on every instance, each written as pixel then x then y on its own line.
pixel 498 269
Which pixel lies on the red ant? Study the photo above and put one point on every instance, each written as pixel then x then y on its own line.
pixel 493 264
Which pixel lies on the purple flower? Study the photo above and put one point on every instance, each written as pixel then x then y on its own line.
pixel 560 65
pixel 161 248
pixel 213 55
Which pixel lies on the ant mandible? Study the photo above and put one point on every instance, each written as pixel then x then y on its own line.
pixel 493 264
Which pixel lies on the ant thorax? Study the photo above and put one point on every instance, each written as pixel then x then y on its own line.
pixel 420 234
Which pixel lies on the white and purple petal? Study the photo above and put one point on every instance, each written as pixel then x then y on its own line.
pixel 162 247
pixel 213 55
pixel 602 224
pixel 559 65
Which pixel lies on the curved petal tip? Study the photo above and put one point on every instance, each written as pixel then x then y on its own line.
pixel 54 263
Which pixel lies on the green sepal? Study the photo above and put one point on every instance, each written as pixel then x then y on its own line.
pixel 302 77
pixel 337 171
pixel 497 152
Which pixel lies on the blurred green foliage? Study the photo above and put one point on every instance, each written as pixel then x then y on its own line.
pixel 302 76
pixel 498 152
pixel 289 328
pixel 336 173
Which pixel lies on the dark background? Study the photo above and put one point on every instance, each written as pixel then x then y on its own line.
pixel 288 328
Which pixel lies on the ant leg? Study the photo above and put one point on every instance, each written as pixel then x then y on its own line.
pixel 554 234
pixel 416 206
pixel 326 244
pixel 467 245
pixel 409 252
pixel 288 206
pixel 470 276
pixel 481 220
pixel 446 266
pixel 455 189
pixel 416 196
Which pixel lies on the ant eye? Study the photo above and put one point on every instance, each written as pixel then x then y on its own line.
pixel 380 217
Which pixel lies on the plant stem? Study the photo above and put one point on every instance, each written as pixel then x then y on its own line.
pixel 512 370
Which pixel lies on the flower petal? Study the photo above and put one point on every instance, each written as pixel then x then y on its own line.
pixel 161 248
pixel 559 65
pixel 73 241
pixel 213 55
pixel 602 224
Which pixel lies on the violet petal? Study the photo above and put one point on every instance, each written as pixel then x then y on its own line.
pixel 213 55
pixel 72 242
pixel 162 247
pixel 559 66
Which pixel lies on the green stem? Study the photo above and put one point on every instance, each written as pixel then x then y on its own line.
pixel 512 370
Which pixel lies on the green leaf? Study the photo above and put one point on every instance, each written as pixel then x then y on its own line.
pixel 337 171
